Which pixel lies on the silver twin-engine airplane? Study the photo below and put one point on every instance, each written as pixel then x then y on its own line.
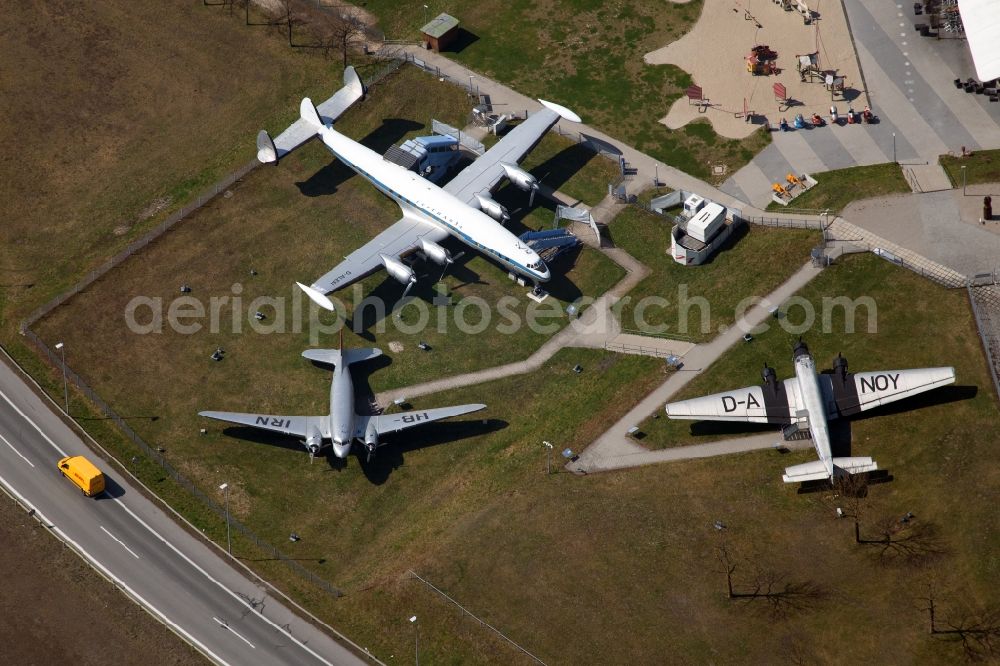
pixel 342 426
pixel 463 208
pixel 811 399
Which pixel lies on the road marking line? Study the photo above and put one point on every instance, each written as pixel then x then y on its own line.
pixel 160 615
pixel 33 424
pixel 231 593
pixel 176 550
pixel 225 625
pixel 120 541
pixel 16 451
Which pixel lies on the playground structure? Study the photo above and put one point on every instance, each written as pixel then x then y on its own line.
pixel 762 61
pixel 792 187
pixel 808 66
pixel 808 16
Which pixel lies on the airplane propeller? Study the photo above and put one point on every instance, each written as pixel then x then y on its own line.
pixel 409 286
pixel 449 260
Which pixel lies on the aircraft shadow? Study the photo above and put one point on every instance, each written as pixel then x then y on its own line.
pixel 857 487
pixel 558 169
pixel 390 456
pixel 248 434
pixel 381 301
pixel 326 180
pixel 734 428
pixel 939 396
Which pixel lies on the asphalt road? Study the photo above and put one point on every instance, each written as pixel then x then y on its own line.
pixel 177 577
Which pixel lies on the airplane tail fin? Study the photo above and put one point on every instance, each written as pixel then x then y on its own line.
pixel 816 470
pixel 345 356
pixel 271 150
pixel 308 113
pixel 331 356
pixel 362 354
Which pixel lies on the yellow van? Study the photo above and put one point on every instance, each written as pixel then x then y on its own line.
pixel 81 472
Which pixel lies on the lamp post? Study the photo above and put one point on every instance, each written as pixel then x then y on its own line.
pixel 963 186
pixel 416 641
pixel 229 542
pixel 548 463
pixel 894 148
pixel 425 14
pixel 61 347
pixel 470 88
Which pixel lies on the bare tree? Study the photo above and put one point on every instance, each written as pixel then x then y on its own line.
pixel 343 31
pixel 781 596
pixel 289 16
pixel 978 631
pixel 905 540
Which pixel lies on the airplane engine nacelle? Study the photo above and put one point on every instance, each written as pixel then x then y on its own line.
pixel 314 442
pixel 435 252
pixel 398 270
pixel 489 205
pixel 840 365
pixel 371 436
pixel 519 176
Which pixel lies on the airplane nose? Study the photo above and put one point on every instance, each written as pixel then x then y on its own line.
pixel 341 449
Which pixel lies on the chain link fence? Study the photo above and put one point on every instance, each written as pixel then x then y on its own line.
pixel 154 454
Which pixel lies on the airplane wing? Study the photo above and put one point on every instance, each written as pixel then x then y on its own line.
pixel 861 391
pixel 402 237
pixel 300 131
pixel 388 423
pixel 483 175
pixel 299 426
pixel 771 403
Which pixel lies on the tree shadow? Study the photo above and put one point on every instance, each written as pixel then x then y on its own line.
pixel 330 177
pixel 390 456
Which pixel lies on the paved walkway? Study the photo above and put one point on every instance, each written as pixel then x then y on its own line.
pixel 922 115
pixel 594 328
pixel 648 170
pixel 615 442
pixel 938 230
pixel 641 456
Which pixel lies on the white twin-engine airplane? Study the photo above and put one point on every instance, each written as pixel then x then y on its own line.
pixel 463 208
pixel 811 399
pixel 342 426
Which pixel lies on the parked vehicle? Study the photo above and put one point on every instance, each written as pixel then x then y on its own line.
pixel 83 474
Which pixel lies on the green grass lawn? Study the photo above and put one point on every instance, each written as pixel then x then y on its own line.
pixel 855 276
pixel 752 263
pixel 587 55
pixel 982 166
pixel 836 189
pixel 571 168
pixel 154 119
pixel 559 562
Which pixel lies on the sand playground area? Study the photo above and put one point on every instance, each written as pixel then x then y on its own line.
pixel 715 52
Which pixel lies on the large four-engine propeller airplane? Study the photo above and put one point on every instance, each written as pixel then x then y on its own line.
pixel 463 208
pixel 342 425
pixel 811 399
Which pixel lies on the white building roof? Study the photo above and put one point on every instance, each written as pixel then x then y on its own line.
pixel 981 19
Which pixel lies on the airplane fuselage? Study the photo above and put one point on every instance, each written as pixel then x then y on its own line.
pixel 419 196
pixel 811 399
pixel 341 410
